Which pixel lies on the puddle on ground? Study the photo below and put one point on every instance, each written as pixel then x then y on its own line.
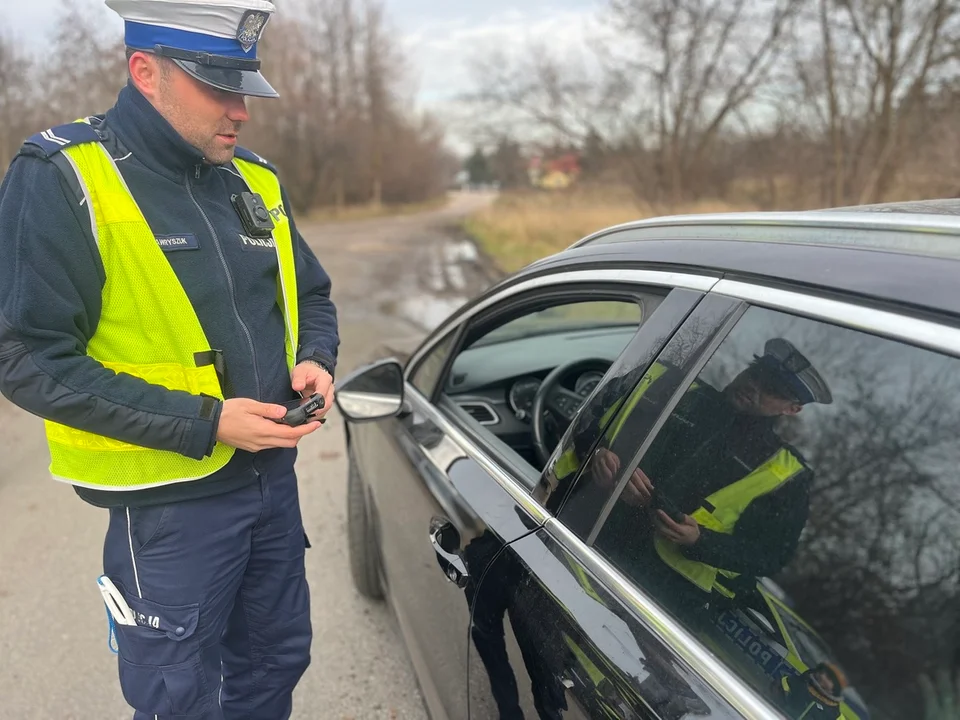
pixel 429 312
pixel 451 276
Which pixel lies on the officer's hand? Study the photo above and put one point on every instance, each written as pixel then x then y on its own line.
pixel 247 425
pixel 605 467
pixel 685 533
pixel 308 379
pixel 639 491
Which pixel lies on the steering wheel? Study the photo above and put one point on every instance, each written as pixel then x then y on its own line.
pixel 554 404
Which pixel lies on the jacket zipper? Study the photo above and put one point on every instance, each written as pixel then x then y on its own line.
pixel 226 269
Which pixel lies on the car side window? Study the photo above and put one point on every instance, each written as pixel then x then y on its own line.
pixel 625 411
pixel 799 511
pixel 428 372
pixel 498 374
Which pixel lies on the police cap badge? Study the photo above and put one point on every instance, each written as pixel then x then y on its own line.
pixel 251 28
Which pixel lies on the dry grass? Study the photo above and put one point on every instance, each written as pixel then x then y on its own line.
pixel 526 226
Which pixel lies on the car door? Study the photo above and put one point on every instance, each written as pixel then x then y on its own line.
pixel 566 645
pixel 407 463
pixel 833 594
pixel 448 491
pixel 440 503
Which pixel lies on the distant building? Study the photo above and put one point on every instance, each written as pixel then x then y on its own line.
pixel 554 173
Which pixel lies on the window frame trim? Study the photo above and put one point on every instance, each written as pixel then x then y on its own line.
pixel 454 335
pixel 658 278
pixel 853 314
pixel 461 331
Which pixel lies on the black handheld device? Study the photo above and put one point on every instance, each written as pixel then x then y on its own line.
pixel 299 412
pixel 663 502
pixel 256 219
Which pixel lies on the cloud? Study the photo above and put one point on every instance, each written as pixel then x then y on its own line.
pixel 439 52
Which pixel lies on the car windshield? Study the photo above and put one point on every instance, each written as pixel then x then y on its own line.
pixel 566 318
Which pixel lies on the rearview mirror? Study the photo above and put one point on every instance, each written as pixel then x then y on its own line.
pixel 373 392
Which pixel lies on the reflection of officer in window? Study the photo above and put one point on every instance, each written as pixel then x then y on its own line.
pixel 726 496
pixel 815 695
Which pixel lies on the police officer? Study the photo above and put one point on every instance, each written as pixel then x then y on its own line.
pixel 719 499
pixel 157 308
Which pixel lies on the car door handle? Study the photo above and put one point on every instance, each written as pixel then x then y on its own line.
pixel 442 536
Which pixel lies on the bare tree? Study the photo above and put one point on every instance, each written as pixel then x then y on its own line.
pixel 77 84
pixel 779 103
pixel 541 95
pixel 866 84
pixel 16 100
pixel 701 60
pixel 340 130
pixel 905 43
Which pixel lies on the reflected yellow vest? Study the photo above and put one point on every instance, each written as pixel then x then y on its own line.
pixel 568 463
pixel 149 329
pixel 728 505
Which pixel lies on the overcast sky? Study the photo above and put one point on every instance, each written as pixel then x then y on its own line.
pixel 438 34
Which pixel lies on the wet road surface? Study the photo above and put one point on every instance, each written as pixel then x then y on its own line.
pixel 394 279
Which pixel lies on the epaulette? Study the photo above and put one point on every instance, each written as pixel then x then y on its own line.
pixel 250 156
pixel 52 141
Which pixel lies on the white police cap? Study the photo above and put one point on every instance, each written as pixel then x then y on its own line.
pixel 215 41
pixel 795 370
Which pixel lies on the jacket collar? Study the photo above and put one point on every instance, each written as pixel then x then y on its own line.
pixel 152 139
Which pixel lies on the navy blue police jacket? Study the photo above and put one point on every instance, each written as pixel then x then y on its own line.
pixel 51 278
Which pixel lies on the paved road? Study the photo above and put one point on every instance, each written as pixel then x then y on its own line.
pixel 393 278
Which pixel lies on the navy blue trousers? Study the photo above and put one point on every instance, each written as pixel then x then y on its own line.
pixel 221 596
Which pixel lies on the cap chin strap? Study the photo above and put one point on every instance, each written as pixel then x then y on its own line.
pixel 205 58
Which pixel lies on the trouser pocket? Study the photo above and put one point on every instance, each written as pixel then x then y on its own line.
pixel 159 664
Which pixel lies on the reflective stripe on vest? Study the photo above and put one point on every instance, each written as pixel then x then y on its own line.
pixel 729 504
pixel 149 329
pixel 263 181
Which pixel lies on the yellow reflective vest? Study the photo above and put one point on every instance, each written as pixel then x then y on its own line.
pixel 149 329
pixel 727 504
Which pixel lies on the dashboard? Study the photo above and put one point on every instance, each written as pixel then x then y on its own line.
pixel 496 384
pixel 521 393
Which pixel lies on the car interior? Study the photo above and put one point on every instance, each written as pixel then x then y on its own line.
pixel 520 377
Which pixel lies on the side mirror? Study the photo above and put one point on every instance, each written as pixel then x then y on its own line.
pixel 373 392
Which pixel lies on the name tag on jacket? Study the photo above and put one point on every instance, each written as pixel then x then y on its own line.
pixel 172 243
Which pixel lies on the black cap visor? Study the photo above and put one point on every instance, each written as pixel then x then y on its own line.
pixel 243 82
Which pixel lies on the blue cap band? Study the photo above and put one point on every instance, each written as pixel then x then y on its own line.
pixel 142 36
pixel 803 393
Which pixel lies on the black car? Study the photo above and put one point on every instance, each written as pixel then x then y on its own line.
pixel 700 466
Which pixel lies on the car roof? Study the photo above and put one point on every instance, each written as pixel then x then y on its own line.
pixel 905 255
